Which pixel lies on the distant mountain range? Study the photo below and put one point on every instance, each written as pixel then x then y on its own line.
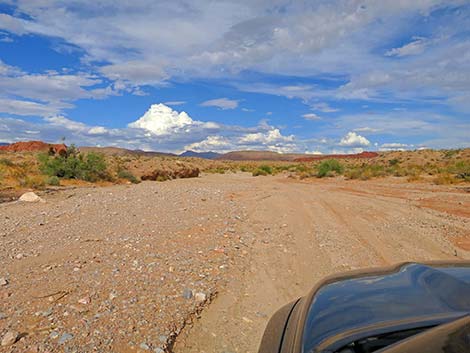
pixel 118 151
pixel 230 156
pixel 204 155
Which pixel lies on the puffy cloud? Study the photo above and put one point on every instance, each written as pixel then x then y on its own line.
pixel 160 128
pixel 354 140
pixel 265 138
pixel 222 103
pixel 271 140
pixel 211 143
pixel 311 116
pixel 98 130
pixel 162 120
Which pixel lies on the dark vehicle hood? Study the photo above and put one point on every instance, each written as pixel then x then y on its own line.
pixel 413 295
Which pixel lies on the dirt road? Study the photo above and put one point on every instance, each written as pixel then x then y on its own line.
pixel 306 231
pixel 128 268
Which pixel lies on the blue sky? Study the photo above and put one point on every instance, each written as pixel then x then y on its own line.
pixel 287 76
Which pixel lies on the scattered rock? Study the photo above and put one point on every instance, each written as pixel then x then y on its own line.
pixel 85 300
pixel 65 337
pixel 200 297
pixel 3 281
pixel 54 335
pixel 3 316
pixel 113 295
pixel 187 293
pixel 144 346
pixel 10 338
pixel 30 197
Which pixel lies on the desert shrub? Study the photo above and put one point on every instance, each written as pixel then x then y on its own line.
pixel 444 179
pixel 6 162
pixel 451 153
pixel 413 177
pixel 2 172
pixel 163 178
pixel 461 170
pixel 366 172
pixel 73 165
pixel 281 168
pixel 216 170
pixel 125 174
pixel 258 172
pixel 263 170
pixel 393 162
pixel 33 182
pixel 300 168
pixel 306 174
pixel 53 181
pixel 266 168
pixel 329 167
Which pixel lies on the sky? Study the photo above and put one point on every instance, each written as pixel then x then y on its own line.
pixel 337 76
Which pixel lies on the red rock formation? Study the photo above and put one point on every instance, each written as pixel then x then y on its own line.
pixel 35 146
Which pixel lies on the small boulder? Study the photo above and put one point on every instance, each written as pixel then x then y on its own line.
pixel 30 197
pixel 200 297
pixel 3 281
pixel 10 338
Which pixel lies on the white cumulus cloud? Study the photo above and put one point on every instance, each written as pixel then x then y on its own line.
pixel 354 140
pixel 162 120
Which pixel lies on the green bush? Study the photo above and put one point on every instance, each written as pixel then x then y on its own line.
pixel 53 180
pixel 329 168
pixel 266 168
pixel 366 172
pixel 73 165
pixel 125 174
pixel 258 172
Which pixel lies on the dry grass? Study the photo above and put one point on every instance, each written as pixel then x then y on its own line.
pixel 20 171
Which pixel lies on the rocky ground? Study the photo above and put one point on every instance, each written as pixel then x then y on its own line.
pixel 128 268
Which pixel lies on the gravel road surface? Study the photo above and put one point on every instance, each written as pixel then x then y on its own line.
pixel 199 265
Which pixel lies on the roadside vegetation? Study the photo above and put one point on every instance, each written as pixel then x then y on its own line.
pixel 74 165
pixel 28 170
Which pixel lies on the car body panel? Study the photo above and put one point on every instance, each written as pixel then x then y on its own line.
pixel 359 304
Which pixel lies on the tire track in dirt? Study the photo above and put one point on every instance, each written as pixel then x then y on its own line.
pixel 303 232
